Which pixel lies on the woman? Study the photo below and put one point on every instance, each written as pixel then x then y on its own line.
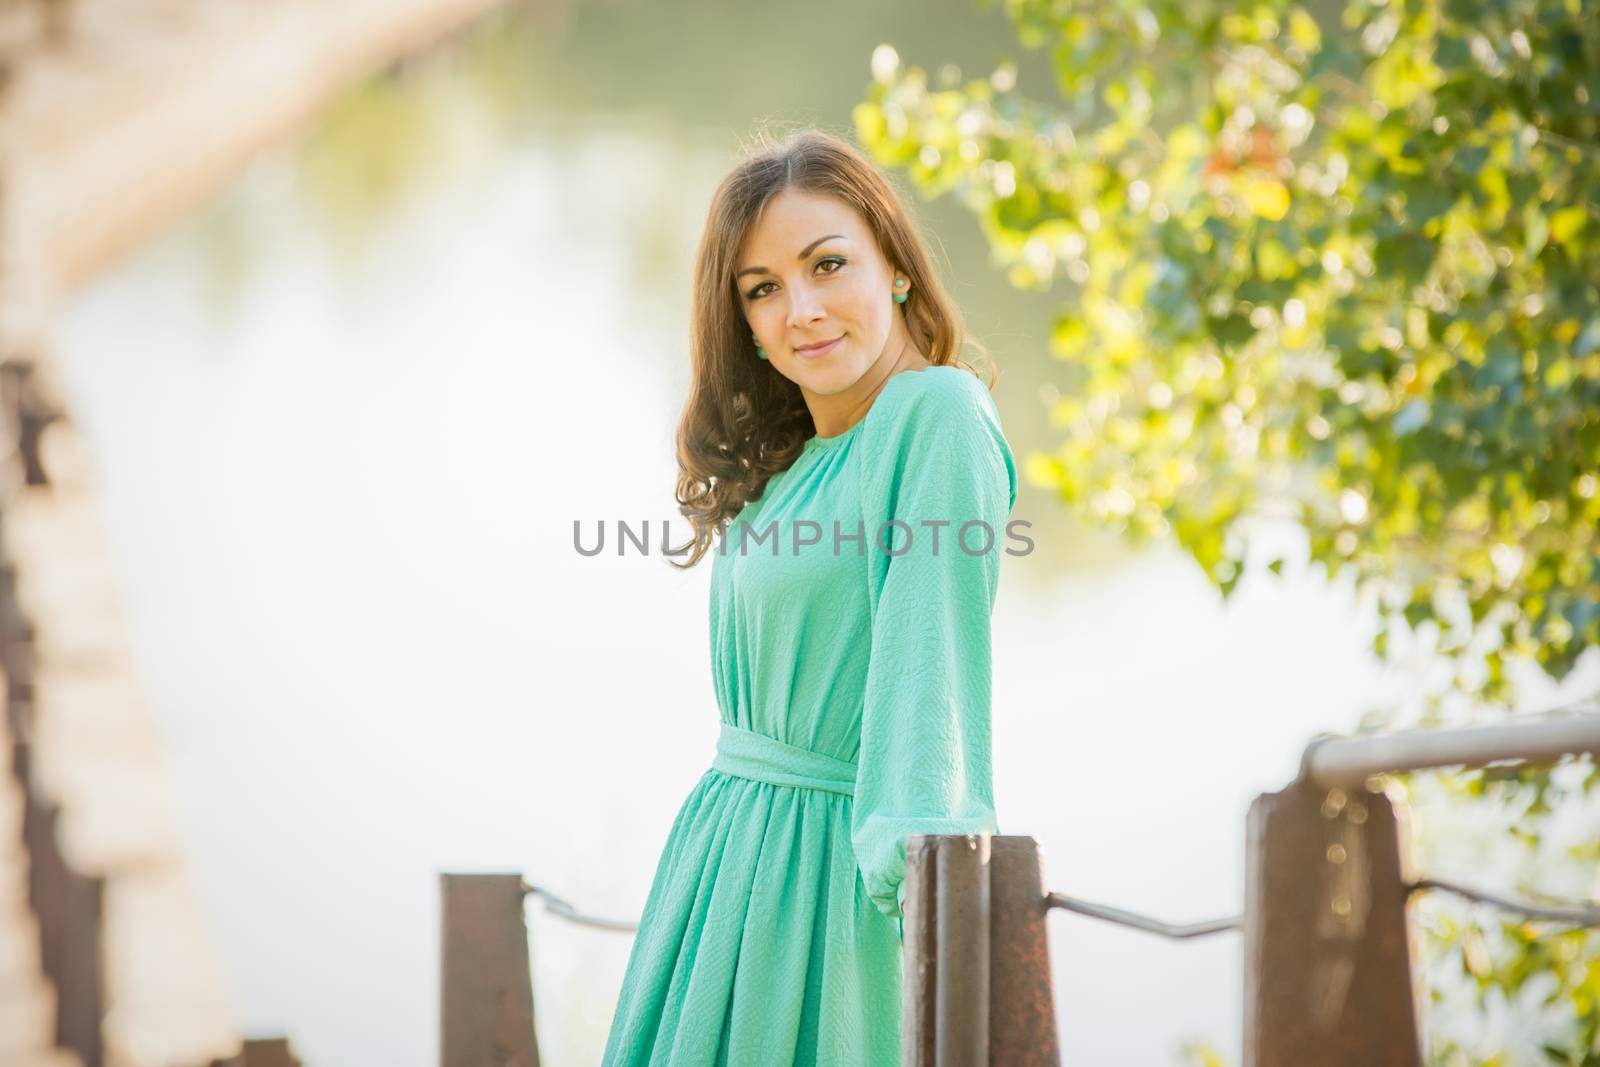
pixel 860 482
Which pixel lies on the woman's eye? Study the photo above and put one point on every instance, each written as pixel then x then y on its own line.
pixel 835 260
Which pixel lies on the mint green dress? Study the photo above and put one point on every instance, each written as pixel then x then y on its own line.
pixel 853 689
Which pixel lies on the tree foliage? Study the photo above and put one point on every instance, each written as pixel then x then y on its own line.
pixel 1334 264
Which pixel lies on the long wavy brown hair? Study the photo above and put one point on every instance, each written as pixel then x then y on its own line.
pixel 745 422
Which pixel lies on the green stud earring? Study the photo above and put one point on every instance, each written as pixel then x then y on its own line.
pixel 900 298
pixel 760 352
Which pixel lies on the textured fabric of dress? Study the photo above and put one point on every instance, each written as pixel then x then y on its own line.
pixel 850 642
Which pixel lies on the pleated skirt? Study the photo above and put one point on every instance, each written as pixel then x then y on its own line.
pixel 758 944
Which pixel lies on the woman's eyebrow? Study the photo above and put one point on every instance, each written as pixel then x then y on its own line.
pixel 804 252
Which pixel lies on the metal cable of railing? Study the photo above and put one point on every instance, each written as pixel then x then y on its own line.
pixel 557 906
pixel 1175 931
pixel 1570 914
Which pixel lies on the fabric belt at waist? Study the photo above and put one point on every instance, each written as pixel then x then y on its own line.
pixel 748 754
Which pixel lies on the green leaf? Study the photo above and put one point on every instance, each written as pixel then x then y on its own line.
pixel 1567 223
pixel 1536 229
pixel 1303 31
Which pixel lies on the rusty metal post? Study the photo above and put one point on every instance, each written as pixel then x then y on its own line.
pixel 976 984
pixel 961 923
pixel 919 953
pixel 1328 975
pixel 486 986
pixel 1022 1014
pixel 268 1052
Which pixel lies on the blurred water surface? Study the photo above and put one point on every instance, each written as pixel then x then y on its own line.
pixel 345 418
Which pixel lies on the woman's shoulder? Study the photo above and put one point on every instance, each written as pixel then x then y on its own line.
pixel 943 395
pixel 938 419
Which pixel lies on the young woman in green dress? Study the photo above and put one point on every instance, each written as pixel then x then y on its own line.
pixel 854 483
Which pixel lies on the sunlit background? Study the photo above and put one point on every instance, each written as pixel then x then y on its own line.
pixel 343 419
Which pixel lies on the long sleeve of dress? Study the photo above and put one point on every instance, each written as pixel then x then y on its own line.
pixel 937 456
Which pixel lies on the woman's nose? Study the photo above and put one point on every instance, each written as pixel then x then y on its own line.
pixel 804 308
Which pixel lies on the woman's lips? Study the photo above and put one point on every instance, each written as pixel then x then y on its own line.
pixel 820 350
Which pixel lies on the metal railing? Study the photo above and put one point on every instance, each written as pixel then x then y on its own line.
pixel 1329 979
pixel 1133 920
pixel 556 906
pixel 1346 762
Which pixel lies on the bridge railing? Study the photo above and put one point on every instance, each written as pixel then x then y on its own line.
pixel 1329 979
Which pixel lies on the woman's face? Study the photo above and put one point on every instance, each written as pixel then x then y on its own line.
pixel 810 271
